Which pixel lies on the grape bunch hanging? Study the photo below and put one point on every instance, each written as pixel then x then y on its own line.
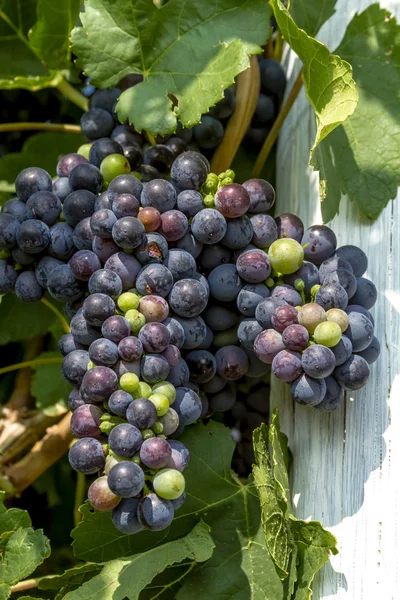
pixel 176 290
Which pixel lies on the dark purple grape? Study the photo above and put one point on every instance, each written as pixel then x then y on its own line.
pixel 195 332
pixel 190 202
pixel 371 353
pixel 267 345
pixel 265 309
pixel 209 132
pixel 283 317
pixel 160 157
pixel 31 180
pixel 83 264
pixel 125 184
pixel 365 294
pixel 232 200
pixel 321 243
pixel 45 266
pixel 202 365
pixel 288 294
pixel 128 233
pixel 265 111
pixel 61 188
pixel 63 285
pixel 75 400
pixel 32 236
pixel 287 366
pixel 360 331
pixel 74 366
pixel 78 205
pixel 225 107
pixel 22 258
pixel 238 233
pixel 104 248
pixel 189 171
pixel 176 145
pixel 214 255
pixel 308 391
pixel 155 453
pixel 232 362
pixel 250 297
pixel 159 194
pixel 174 225
pixel 69 162
pixel 148 173
pixel 125 205
pixel 344 278
pixel 333 264
pixel 154 249
pixel 318 361
pixel 16 208
pixel 224 400
pixel 73 308
pixel 105 281
pixel 262 195
pixel 154 368
pixel 99 383
pixel 125 440
pixel 126 479
pixel 308 274
pixel 155 337
pixel 181 264
pixel 125 136
pixel 179 375
pixel 189 243
pixel 102 148
pixel 355 256
pixel 124 516
pixel 61 243
pixel 154 279
pixel 141 413
pixel 332 295
pixel 105 99
pixel 172 354
pixel 295 337
pixel 209 226
pixel 103 352
pixel 253 266
pixel 333 398
pixel 85 421
pixel 176 330
pixel 154 308
pixel 290 226
pixel 115 328
pixel 87 456
pixel 342 350
pixel 82 235
pixel 219 318
pixel 86 177
pixel 188 298
pixel 265 230
pixel 273 77
pixel 154 513
pixel 188 406
pixel 118 403
pixel 67 344
pixel 83 333
pixel 225 283
pixel 247 332
pixel 125 266
pixel 44 206
pixel 102 202
pixel 353 374
pixel 134 156
pixel 257 368
pixel 102 223
pixel 97 308
pixel 96 123
pixel 27 288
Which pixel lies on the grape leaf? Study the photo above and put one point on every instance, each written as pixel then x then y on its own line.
pixel 361 157
pixel 19 321
pixel 21 548
pixel 327 78
pixel 240 563
pixel 40 150
pixel 49 37
pixel 34 42
pixel 312 14
pixel 126 577
pixel 188 54
pixel 48 386
pixel 70 580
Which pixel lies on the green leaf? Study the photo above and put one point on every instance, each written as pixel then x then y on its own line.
pixel 273 510
pixel 188 54
pixel 48 386
pixel 71 579
pixel 21 548
pixel 240 563
pixel 361 158
pixel 19 321
pixel 127 577
pixel 312 14
pixel 327 78
pixel 40 150
pixel 49 38
pixel 34 42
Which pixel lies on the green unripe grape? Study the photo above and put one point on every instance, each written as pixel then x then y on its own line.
pixel 111 461
pixel 143 390
pixel 129 382
pixel 158 428
pixel 90 365
pixel 114 165
pixel 136 459
pixel 286 255
pixel 137 175
pixel 161 403
pixel 209 201
pixel 84 150
pixel 226 338
pixel 128 301
pixel 4 254
pixel 147 434
pixel 135 319
pixel 328 334
pixel 169 422
pixel 167 389
pixel 211 183
pixel 269 282
pixel 310 315
pixel 169 484
pixel 336 315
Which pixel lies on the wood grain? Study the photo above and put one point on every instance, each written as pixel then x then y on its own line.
pixel 346 470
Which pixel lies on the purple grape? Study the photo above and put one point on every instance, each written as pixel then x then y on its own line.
pixel 102 222
pixel 44 206
pixel 309 275
pixel 232 200
pixel 247 332
pixel 287 366
pixel 16 208
pixel 265 309
pixel 267 345
pixel 124 516
pixel 181 264
pixel 174 225
pixel 371 353
pixel 253 266
pixel 32 236
pixel 265 230
pixel 141 413
pixel 295 337
pixel 172 354
pixel 353 374
pixel 209 226
pixel 333 264
pixel 154 368
pixel 78 205
pixel 262 195
pixel 125 440
pixel 87 456
pixel 61 244
pixel 103 352
pixel 232 362
pixel 130 348
pixel 81 330
pixel 154 308
pixel 99 383
pixel 344 278
pixel 104 248
pixel 179 375
pixel 83 264
pixel 290 226
pixel 67 344
pixel 85 421
pixel 188 298
pixel 115 328
pixel 31 180
pixel 308 391
pixel 155 337
pixel 219 318
pixel 321 243
pixel 125 184
pixel 118 402
pixel 75 400
pixel 126 478
pixel 125 266
pixel 334 396
pixel 105 281
pixel 239 233
pixel 283 317
pixel 365 294
pixel 155 453
pixel 188 406
pixel 360 331
pixel 97 308
pixel 155 279
pixel 82 235
pixel 180 456
pixel 62 284
pixel 190 202
pixel 189 171
pixel 74 366
pixel 342 350
pixel 318 361
pixel 69 162
pixel 154 249
pixel 154 513
pixel 128 233
pixel 356 257
pixel 288 294
pixel 332 295
pixel 159 194
pixel 225 283
pixel 125 205
pixel 250 297
pixel 202 365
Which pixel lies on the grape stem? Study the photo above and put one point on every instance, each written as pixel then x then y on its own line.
pixel 273 134
pixel 73 94
pixel 29 584
pixel 63 127
pixel 80 491
pixel 58 314
pixel 30 363
pixel 151 138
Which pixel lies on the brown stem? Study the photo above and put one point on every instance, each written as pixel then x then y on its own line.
pixel 43 454
pixel 64 127
pixel 28 584
pixel 21 396
pixel 269 48
pixel 247 92
pixel 273 134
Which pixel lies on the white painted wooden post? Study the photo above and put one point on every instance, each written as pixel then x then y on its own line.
pixel 346 467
